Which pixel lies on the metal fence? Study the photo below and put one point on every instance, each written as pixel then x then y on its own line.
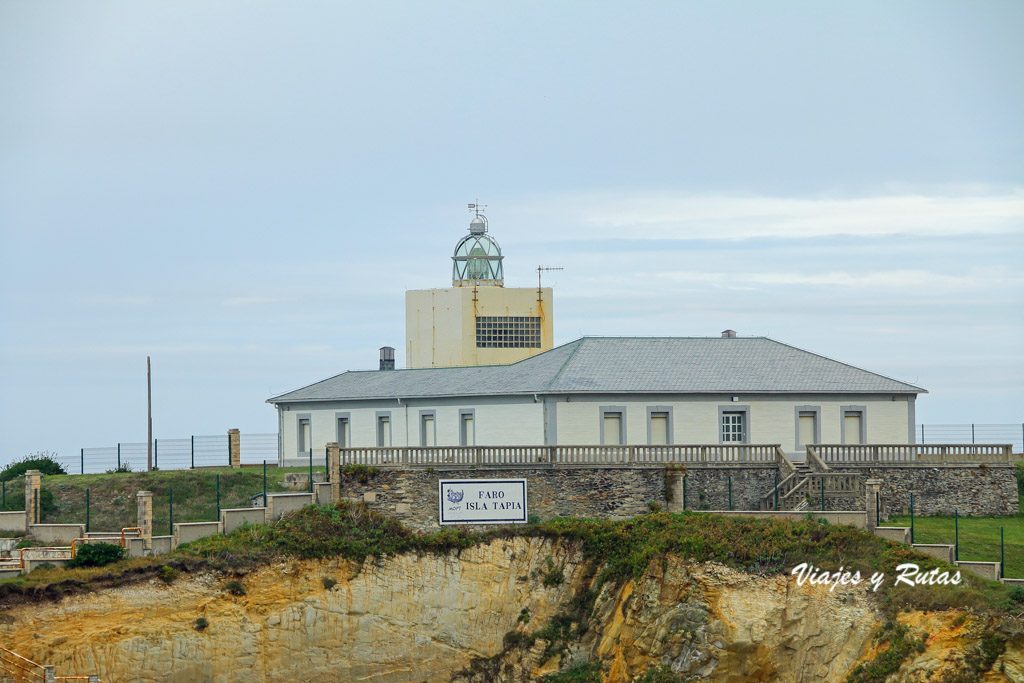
pixel 972 433
pixel 173 454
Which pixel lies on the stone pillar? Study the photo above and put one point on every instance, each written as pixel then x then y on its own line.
pixel 48 674
pixel 144 501
pixel 334 470
pixel 871 489
pixel 236 447
pixel 33 483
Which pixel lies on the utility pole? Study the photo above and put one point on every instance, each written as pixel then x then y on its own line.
pixel 149 416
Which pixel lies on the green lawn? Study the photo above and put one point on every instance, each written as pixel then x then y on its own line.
pixel 112 496
pixel 979 537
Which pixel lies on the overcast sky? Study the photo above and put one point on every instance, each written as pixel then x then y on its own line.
pixel 245 190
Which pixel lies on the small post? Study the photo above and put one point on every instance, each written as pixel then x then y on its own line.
pixel 922 433
pixel 956 538
pixel 36 505
pixel 156 454
pixel 1002 554
pixel 192 452
pixel 972 432
pixel 218 497
pixel 730 492
pixel 119 456
pixel 33 480
pixel 334 470
pixel 911 518
pixel 82 455
pixel 144 514
pixel 229 455
pixel 776 508
pixel 878 513
pixel 327 462
pixel 311 469
pixel 87 505
pixel 871 497
pixel 235 448
pixel 49 676
pixel 822 479
pixel 684 492
pixel 170 511
pixel 264 483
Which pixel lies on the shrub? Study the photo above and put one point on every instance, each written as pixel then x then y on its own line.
pixel 200 624
pixel 662 674
pixel 329 583
pixel 578 673
pixel 123 468
pixel 96 555
pixel 654 506
pixel 361 472
pixel 1019 470
pixel 235 587
pixel 168 574
pixel 44 461
pixel 46 565
pixel 533 519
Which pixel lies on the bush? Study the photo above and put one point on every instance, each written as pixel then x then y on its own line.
pixel 168 574
pixel 1019 469
pixel 96 555
pixel 329 583
pixel 44 461
pixel 200 624
pixel 123 468
pixel 235 587
pixel 578 673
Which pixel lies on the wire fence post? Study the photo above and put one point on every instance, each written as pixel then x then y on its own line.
pixel 822 494
pixel 911 518
pixel 193 453
pixel 119 456
pixel 776 508
pixel 730 493
pixel 972 432
pixel 684 492
pixel 922 433
pixel 35 505
pixel 87 506
pixel 1002 555
pixel 956 537
pixel 327 462
pixel 229 456
pixel 311 469
pixel 82 453
pixel 170 511
pixel 156 454
pixel 218 497
pixel 878 515
pixel 264 483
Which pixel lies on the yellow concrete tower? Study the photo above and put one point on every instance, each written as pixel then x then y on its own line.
pixel 476 321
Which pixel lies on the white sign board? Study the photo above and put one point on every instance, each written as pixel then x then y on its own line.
pixel 482 501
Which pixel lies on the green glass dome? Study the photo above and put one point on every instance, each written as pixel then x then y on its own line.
pixel 477 258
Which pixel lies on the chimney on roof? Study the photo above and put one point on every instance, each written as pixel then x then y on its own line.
pixel 387 358
pixel 729 334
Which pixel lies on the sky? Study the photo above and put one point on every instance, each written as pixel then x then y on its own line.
pixel 244 191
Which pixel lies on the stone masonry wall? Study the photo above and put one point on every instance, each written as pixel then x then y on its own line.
pixel 973 490
pixel 707 488
pixel 410 495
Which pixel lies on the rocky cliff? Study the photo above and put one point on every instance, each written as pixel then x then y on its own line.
pixel 421 617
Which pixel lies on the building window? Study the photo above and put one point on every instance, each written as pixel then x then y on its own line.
pixel 305 434
pixel 659 425
pixel 613 425
pixel 854 426
pixel 734 424
pixel 384 429
pixel 508 332
pixel 342 430
pixel 808 426
pixel 428 428
pixel 467 427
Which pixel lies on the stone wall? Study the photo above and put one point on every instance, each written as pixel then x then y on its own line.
pixel 410 495
pixel 707 488
pixel 972 490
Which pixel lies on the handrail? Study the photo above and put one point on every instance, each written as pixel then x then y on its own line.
pixel 130 528
pixel 815 462
pixel 20 666
pixel 956 453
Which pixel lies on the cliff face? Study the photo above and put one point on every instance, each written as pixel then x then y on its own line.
pixel 416 618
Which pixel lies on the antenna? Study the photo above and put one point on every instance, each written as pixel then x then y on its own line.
pixel 477 208
pixel 544 269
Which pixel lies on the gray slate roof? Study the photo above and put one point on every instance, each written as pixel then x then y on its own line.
pixel 615 365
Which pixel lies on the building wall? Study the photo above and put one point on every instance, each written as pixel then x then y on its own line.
pixel 440 324
pixel 509 421
pixel 771 418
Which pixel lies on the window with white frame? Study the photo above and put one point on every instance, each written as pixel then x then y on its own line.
pixel 734 426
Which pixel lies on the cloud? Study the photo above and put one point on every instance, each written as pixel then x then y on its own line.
pixel 654 216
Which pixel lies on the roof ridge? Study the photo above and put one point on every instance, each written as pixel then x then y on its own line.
pixel 551 382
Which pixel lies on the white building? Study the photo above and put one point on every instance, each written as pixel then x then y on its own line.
pixel 607 390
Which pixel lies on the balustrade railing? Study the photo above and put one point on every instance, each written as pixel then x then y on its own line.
pixel 424 456
pixel 914 453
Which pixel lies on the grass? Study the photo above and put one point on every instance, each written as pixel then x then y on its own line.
pixel 113 502
pixel 616 550
pixel 979 537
